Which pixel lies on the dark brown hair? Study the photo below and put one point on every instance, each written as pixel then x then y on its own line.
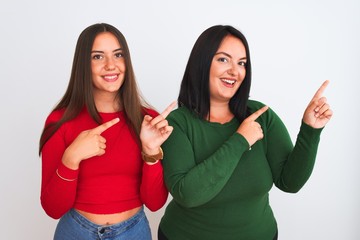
pixel 79 93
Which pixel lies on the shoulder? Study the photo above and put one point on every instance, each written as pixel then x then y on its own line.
pixel 181 113
pixel 148 111
pixel 254 105
pixel 183 118
pixel 269 118
pixel 269 115
pixel 54 116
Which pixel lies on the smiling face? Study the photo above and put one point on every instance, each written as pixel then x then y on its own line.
pixel 107 65
pixel 227 70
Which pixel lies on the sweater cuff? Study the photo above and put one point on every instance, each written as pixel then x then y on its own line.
pixel 310 132
pixel 240 138
pixel 67 173
pixel 157 165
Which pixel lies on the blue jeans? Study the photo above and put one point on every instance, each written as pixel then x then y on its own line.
pixel 75 226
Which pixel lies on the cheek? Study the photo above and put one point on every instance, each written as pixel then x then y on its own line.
pixel 95 68
pixel 218 69
pixel 121 65
pixel 242 74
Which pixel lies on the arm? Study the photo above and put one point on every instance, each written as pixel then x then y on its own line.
pixel 154 131
pixel 291 166
pixel 57 194
pixel 193 184
pixel 291 174
pixel 60 165
pixel 153 191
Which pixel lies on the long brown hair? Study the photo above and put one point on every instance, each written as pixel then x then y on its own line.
pixel 79 93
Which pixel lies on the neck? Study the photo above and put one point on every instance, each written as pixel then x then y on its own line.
pixel 107 103
pixel 220 113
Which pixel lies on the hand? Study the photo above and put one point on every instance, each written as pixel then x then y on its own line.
pixel 87 144
pixel 250 129
pixel 154 131
pixel 318 112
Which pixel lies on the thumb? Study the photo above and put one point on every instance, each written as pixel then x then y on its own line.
pixel 147 119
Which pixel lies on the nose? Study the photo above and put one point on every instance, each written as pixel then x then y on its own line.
pixel 233 69
pixel 109 65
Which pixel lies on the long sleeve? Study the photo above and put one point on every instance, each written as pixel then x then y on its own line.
pixel 220 188
pixel 291 165
pixel 113 182
pixel 193 183
pixel 153 191
pixel 57 194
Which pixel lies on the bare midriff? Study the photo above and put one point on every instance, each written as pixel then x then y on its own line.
pixel 109 219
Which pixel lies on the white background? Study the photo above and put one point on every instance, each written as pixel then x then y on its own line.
pixel 295 46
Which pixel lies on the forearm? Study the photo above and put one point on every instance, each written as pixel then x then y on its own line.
pixel 58 182
pixel 194 184
pixel 300 163
pixel 153 191
pixel 58 195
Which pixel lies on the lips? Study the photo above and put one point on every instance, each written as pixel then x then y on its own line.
pixel 228 82
pixel 111 78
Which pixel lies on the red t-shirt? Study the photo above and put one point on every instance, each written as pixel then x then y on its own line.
pixel 115 182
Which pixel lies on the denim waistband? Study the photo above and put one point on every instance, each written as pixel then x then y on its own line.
pixel 114 229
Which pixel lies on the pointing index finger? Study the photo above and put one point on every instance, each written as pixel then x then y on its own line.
pixel 320 91
pixel 258 113
pixel 103 127
pixel 167 111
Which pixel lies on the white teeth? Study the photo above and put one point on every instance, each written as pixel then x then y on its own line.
pixel 110 77
pixel 228 81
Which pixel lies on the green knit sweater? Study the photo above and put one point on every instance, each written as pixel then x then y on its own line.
pixel 220 187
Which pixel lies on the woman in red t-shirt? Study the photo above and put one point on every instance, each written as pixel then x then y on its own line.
pixel 100 146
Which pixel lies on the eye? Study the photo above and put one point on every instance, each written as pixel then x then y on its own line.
pixel 223 59
pixel 119 55
pixel 242 63
pixel 97 57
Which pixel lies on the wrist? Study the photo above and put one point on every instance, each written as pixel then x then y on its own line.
pixel 69 161
pixel 67 174
pixel 151 163
pixel 152 156
pixel 150 150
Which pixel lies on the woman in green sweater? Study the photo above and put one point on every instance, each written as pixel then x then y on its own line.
pixel 226 151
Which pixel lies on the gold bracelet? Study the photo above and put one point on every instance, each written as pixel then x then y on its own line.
pixel 65 179
pixel 152 158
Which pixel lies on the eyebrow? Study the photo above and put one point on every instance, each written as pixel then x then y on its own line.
pixel 228 55
pixel 97 51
